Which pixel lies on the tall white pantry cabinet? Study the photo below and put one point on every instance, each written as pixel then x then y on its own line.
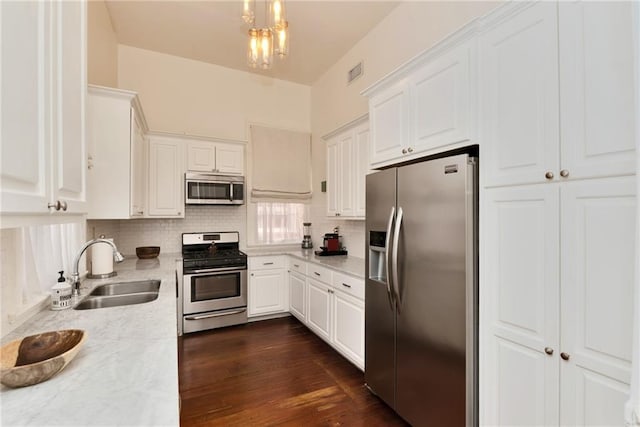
pixel 557 127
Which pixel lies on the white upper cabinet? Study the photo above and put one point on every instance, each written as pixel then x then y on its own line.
pixel 542 120
pixel 441 106
pixel 166 177
pixel 118 154
pixel 427 105
pixel 596 97
pixel 42 107
pixel 215 157
pixel 519 112
pixel 347 167
pixel 388 112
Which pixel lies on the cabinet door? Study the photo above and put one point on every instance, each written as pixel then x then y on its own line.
pixel 598 257
pixel 519 125
pixel 266 292
pixel 201 156
pixel 441 101
pixel 139 168
pixel 333 178
pixel 346 174
pixel 230 159
pixel 348 327
pixel 319 309
pixel 297 295
pixel 165 178
pixel 361 167
pixel 520 294
pixel 24 169
pixel 68 114
pixel 596 88
pixel 388 114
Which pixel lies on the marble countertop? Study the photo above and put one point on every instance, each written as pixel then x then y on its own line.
pixel 342 263
pixel 127 371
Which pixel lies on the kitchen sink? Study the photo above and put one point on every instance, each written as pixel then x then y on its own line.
pixel 116 300
pixel 121 293
pixel 124 288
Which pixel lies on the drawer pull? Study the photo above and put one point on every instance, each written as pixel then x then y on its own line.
pixel 296 265
pixel 316 273
pixel 346 286
pixel 267 263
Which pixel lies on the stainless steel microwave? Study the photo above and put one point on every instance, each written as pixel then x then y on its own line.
pixel 208 189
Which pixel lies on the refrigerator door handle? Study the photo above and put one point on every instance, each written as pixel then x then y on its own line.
pixel 394 257
pixel 386 254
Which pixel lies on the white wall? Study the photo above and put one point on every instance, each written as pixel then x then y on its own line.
pixel 102 46
pixel 408 30
pixel 182 95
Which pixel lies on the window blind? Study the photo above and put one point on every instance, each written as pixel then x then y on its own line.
pixel 281 164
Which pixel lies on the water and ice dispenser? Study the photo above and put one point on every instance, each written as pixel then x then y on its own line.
pixel 377 256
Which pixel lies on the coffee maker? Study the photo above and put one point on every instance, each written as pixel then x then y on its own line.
pixel 332 244
pixel 306 240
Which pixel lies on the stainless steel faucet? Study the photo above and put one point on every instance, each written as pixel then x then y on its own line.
pixel 75 276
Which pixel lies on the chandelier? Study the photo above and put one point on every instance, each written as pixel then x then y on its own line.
pixel 271 38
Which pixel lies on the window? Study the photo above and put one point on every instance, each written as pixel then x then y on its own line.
pixel 279 223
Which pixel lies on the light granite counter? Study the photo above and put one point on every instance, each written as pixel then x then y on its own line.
pixel 126 373
pixel 342 263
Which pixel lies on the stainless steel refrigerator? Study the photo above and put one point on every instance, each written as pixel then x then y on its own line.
pixel 421 290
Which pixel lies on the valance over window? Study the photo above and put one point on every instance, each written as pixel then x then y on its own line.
pixel 281 164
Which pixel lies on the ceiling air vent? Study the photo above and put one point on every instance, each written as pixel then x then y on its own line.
pixel 354 73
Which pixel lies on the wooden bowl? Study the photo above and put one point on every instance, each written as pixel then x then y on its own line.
pixel 36 358
pixel 147 252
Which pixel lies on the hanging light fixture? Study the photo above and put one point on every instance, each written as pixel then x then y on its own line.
pixel 274 37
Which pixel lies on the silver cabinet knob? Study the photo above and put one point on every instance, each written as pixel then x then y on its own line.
pixel 57 205
pixel 564 173
pixel 565 356
pixel 404 151
pixel 548 350
pixel 548 175
pixel 410 150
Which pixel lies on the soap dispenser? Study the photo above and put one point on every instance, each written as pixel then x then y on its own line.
pixel 61 293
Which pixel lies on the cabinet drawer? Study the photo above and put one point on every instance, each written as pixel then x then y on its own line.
pixel 266 262
pixel 296 265
pixel 319 273
pixel 348 284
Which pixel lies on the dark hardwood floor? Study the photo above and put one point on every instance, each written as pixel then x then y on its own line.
pixel 273 372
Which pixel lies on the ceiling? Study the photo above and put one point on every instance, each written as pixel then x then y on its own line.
pixel 321 32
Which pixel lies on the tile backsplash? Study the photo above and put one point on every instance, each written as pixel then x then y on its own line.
pixel 166 233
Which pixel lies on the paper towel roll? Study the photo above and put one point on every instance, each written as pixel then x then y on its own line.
pixel 101 258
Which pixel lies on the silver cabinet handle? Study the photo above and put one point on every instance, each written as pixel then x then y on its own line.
pixel 387 245
pixel 346 286
pixel 316 273
pixel 548 175
pixel 57 205
pixel 548 350
pixel 394 259
pixel 564 356
pixel 410 150
pixel 209 316
pixel 267 263
pixel 139 212
pixel 564 173
pixel 404 151
pixel 296 265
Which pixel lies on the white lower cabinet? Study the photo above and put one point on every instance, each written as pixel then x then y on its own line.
pixel 319 313
pixel 558 289
pixel 297 295
pixel 348 326
pixel 268 293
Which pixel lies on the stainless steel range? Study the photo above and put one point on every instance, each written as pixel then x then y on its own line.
pixel 212 283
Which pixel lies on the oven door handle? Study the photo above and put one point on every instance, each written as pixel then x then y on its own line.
pixel 208 316
pixel 214 271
